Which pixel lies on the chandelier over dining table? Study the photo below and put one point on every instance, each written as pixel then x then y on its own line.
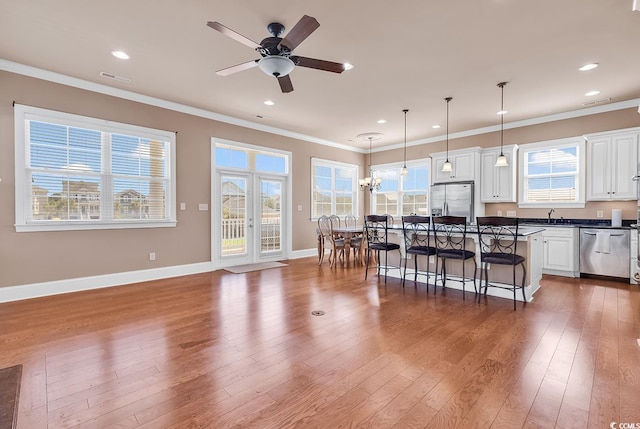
pixel 370 183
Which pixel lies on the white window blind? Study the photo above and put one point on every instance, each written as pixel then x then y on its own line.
pixel 402 195
pixel 553 173
pixel 75 172
pixel 334 188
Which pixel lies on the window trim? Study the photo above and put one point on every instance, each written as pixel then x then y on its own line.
pixel 333 164
pixel 22 113
pixel 578 141
pixel 399 165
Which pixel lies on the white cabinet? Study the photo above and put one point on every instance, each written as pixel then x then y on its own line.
pixel 560 251
pixel 464 163
pixel 613 161
pixel 633 252
pixel 498 184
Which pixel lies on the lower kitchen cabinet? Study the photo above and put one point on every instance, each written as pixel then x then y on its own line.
pixel 633 253
pixel 560 254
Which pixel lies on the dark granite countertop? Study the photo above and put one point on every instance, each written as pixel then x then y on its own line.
pixel 576 223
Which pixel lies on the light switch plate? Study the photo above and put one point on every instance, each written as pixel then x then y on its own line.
pixel 183 206
pixel 499 213
pixel 203 207
pixel 511 213
pixel 299 207
pixel 599 213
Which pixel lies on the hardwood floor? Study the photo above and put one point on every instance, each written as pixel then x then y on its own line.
pixel 243 350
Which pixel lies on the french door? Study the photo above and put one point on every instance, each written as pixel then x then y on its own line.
pixel 249 226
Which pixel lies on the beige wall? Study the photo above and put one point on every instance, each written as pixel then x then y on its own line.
pixel 46 256
pixel 31 257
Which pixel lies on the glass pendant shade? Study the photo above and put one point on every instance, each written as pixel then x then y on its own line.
pixel 447 166
pixel 502 161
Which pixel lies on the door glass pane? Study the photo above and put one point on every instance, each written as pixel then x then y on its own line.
pixel 270 216
pixel 233 216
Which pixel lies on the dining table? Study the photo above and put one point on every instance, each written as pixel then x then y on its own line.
pixel 349 232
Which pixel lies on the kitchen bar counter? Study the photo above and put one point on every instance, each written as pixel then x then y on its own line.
pixel 575 223
pixel 531 248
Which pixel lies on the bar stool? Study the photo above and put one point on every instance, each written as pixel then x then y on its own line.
pixel 450 235
pixel 376 229
pixel 417 242
pixel 498 239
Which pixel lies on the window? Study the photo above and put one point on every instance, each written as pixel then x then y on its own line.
pixel 402 195
pixel 75 172
pixel 231 156
pixel 334 188
pixel 553 174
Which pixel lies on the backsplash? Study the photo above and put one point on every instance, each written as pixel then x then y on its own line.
pixel 590 211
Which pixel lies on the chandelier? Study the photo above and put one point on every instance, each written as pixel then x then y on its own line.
pixel 370 183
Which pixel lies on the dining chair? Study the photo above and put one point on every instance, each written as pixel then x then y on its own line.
pixel 376 234
pixel 336 245
pixel 355 242
pixel 498 239
pixel 417 242
pixel 450 237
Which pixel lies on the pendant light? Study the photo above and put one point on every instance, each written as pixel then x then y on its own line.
pixel 502 160
pixel 405 170
pixel 447 165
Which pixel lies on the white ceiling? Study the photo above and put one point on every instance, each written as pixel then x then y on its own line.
pixel 408 54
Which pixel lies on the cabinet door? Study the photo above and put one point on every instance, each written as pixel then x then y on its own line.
pixel 504 185
pixel 488 176
pixel 599 187
pixel 439 175
pixel 558 253
pixel 624 164
pixel 463 166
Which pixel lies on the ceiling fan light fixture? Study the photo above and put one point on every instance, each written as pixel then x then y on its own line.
pixel 589 66
pixel 275 65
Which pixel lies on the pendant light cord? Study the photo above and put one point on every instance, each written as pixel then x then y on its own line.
pixel 501 85
pixel 405 137
pixel 448 99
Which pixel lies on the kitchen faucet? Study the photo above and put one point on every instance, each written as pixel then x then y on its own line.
pixel 549 215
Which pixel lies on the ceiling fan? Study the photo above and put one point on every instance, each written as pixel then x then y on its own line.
pixel 277 59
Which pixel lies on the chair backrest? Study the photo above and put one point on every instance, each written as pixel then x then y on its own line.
pixel 497 234
pixel 324 224
pixel 416 231
pixel 375 227
pixel 450 232
pixel 335 221
pixel 390 220
pixel 350 221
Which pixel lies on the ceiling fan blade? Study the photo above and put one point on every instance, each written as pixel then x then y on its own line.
pixel 299 32
pixel 285 84
pixel 314 63
pixel 237 68
pixel 235 36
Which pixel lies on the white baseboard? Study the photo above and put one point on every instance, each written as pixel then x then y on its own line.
pixel 297 254
pixel 36 290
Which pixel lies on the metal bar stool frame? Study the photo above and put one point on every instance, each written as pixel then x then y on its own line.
pixel 376 232
pixel 450 236
pixel 498 240
pixel 417 242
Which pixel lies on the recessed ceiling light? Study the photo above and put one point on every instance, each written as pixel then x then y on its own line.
pixel 589 66
pixel 381 121
pixel 592 93
pixel 269 103
pixel 120 54
pixel 348 66
pixel 502 112
pixel 436 126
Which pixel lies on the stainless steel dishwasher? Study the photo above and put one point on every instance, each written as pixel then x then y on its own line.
pixel 604 252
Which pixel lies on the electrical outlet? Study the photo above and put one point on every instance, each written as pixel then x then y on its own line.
pixel 152 256
pixel 511 213
pixel 299 207
pixel 431 259
pixel 499 212
pixel 600 213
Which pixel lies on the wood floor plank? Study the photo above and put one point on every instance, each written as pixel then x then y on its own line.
pixel 223 350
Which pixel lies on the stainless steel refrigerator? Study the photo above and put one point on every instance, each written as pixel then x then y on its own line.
pixel 452 199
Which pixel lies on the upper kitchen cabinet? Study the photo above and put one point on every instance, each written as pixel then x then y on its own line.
pixel 612 163
pixel 465 165
pixel 498 184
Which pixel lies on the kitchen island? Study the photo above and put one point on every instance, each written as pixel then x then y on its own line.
pixel 529 246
